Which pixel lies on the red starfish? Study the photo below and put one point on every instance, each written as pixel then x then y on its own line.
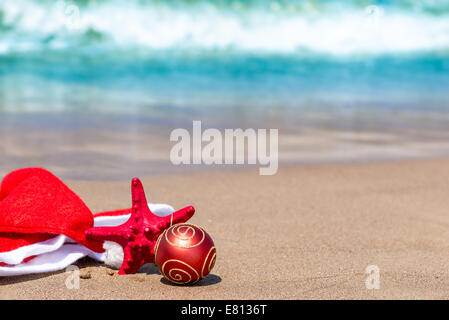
pixel 139 234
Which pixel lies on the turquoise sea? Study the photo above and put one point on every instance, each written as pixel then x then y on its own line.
pixel 119 55
pixel 356 64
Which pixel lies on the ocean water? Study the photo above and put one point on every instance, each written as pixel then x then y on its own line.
pixel 108 55
pixel 353 67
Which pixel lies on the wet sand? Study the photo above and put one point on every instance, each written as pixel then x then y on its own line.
pixel 108 147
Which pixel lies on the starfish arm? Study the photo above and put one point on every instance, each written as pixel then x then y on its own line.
pixel 183 214
pixel 131 261
pixel 115 234
pixel 179 216
pixel 139 200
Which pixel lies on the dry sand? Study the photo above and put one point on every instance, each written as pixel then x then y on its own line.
pixel 308 232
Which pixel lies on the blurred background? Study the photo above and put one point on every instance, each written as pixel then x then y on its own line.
pixel 92 89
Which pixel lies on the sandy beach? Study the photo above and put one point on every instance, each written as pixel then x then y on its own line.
pixel 308 232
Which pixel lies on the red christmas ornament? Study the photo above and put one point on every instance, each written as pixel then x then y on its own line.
pixel 139 234
pixel 185 253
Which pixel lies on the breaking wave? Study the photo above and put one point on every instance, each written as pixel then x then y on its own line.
pixel 280 27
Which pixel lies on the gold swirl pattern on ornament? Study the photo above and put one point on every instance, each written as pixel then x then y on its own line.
pixel 178 277
pixel 175 231
pixel 157 244
pixel 211 260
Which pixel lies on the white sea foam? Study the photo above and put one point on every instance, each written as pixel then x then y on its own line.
pixel 369 30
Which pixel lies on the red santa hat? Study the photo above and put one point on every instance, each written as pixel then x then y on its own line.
pixel 42 224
